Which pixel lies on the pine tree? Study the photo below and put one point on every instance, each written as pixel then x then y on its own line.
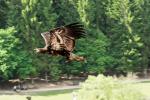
pixel 3 13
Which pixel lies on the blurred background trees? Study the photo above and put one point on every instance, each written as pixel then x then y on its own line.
pixel 117 41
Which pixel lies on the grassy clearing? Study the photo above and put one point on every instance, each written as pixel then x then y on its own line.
pixel 49 95
pixel 144 87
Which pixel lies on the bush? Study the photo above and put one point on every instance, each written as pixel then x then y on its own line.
pixel 107 88
pixel 7 42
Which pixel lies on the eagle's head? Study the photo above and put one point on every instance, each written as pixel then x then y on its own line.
pixel 41 50
pixel 37 50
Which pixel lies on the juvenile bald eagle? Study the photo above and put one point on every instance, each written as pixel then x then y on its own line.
pixel 61 41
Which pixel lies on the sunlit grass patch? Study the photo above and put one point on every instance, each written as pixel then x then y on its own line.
pixel 48 95
pixel 143 87
pixel 108 88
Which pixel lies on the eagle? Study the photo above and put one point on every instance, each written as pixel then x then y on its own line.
pixel 61 41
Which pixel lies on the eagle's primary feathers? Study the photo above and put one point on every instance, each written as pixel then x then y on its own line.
pixel 61 41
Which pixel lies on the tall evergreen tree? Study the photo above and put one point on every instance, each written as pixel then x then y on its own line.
pixel 65 11
pixel 3 13
pixel 141 26
pixel 125 43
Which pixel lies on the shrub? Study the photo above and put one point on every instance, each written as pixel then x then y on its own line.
pixel 7 42
pixel 107 88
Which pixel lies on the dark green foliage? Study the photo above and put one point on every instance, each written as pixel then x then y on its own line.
pixel 3 13
pixel 7 56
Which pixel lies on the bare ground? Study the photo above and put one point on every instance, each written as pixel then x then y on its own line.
pixel 39 86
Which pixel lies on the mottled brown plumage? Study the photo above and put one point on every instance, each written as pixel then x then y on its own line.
pixel 61 41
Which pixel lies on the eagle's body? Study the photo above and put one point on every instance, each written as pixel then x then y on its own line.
pixel 61 41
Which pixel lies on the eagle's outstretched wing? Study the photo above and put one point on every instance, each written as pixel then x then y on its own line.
pixel 68 34
pixel 74 30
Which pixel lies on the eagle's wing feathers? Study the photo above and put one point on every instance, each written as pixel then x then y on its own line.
pixel 46 37
pixel 74 30
pixel 71 32
pixel 69 43
pixel 68 34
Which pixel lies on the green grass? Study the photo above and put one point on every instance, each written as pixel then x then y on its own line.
pixel 49 95
pixel 55 92
pixel 144 87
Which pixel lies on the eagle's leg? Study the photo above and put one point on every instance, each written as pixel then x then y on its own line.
pixel 72 57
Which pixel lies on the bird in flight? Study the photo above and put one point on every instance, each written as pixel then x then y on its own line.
pixel 61 41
